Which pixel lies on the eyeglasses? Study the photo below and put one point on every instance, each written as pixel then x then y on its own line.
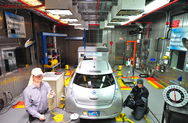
pixel 39 76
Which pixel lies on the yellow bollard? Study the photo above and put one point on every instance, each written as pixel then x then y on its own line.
pixel 67 70
pixel 120 68
pixel 120 71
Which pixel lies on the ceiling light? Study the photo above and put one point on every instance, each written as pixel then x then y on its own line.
pixel 54 16
pixel 69 20
pixel 75 24
pixel 81 28
pixel 60 12
pixel 32 2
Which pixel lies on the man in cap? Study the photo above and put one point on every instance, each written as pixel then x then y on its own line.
pixel 36 96
pixel 138 100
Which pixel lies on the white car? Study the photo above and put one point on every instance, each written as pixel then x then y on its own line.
pixel 94 92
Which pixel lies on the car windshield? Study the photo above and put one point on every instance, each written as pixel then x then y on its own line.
pixel 94 81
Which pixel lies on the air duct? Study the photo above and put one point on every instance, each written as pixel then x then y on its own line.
pixel 101 24
pixel 59 7
pixel 78 22
pixel 106 26
pixel 71 18
pixel 115 18
pixel 130 7
pixel 111 23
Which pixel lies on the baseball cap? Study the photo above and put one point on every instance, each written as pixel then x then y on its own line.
pixel 140 81
pixel 36 71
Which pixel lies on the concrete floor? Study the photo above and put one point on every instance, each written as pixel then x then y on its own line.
pixel 156 103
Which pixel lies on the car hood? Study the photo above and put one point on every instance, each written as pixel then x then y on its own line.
pixel 88 96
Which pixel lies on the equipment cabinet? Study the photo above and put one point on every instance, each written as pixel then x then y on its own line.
pixel 57 84
pixel 54 60
pixel 175 114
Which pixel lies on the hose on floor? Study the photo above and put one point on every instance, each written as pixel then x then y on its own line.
pixel 58 117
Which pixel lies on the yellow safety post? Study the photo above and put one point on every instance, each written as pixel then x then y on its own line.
pixel 146 119
pixel 67 81
pixel 120 71
pixel 67 73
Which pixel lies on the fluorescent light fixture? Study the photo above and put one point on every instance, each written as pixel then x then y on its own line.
pixel 69 20
pixel 63 22
pixel 32 2
pixel 75 24
pixel 57 17
pixel 80 28
pixel 154 5
pixel 60 12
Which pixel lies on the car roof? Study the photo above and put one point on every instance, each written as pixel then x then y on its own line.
pixel 94 67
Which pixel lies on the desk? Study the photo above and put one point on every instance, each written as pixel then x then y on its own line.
pixel 49 117
pixel 175 114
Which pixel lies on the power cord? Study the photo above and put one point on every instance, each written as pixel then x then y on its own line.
pixel 7 104
pixel 58 117
pixel 1 104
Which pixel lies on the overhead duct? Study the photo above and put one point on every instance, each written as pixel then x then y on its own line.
pixel 102 25
pixel 130 7
pixel 86 25
pixel 59 7
pixel 106 25
pixel 71 18
pixel 81 27
pixel 76 23
pixel 109 21
pixel 115 18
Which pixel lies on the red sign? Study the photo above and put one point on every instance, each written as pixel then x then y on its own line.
pixel 175 23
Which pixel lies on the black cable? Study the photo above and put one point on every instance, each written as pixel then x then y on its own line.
pixel 154 115
pixel 4 111
pixel 8 98
pixel 8 103
pixel 1 104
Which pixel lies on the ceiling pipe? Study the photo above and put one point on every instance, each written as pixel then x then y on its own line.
pixel 153 11
pixel 97 11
